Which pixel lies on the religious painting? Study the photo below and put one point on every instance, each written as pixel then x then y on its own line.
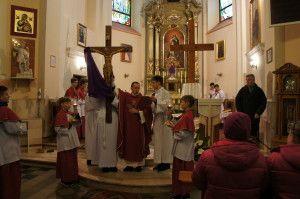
pixel 22 58
pixel 126 56
pixel 269 55
pixel 173 37
pixel 255 29
pixel 81 35
pixel 220 50
pixel 23 21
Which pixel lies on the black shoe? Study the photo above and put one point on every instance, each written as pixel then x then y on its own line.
pixel 157 167
pixel 138 169
pixel 89 162
pixel 105 169
pixel 113 169
pixel 164 166
pixel 128 169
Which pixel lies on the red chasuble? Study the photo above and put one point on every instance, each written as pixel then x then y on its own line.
pixel 72 93
pixel 134 137
pixel 185 123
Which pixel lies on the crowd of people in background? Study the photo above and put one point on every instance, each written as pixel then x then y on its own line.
pixel 233 167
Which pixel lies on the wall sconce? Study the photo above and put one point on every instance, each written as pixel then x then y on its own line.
pixel 219 74
pixel 255 60
pixel 126 75
pixel 80 63
pixel 255 55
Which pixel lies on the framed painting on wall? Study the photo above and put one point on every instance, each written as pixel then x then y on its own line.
pixel 81 35
pixel 126 56
pixel 269 55
pixel 23 21
pixel 22 58
pixel 220 50
pixel 255 28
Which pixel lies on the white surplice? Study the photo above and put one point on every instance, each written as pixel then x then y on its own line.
pixel 107 136
pixel 162 135
pixel 92 128
pixel 9 142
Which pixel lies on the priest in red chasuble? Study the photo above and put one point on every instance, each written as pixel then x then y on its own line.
pixel 134 135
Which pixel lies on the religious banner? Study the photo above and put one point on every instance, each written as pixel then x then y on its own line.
pixel 22 58
pixel 255 28
pixel 23 21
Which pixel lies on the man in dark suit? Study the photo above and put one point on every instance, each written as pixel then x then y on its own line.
pixel 251 100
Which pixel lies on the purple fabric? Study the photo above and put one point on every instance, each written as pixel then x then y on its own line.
pixel 97 86
pixel 237 126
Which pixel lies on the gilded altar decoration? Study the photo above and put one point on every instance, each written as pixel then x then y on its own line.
pixel 166 25
pixel 23 21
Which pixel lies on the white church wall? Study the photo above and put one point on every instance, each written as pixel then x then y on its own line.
pixel 61 35
pixel 227 67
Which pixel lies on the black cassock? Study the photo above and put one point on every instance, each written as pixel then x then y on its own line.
pixel 251 103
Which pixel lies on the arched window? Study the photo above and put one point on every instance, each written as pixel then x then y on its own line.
pixel 121 12
pixel 225 9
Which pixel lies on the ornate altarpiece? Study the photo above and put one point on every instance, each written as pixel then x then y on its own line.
pixel 166 24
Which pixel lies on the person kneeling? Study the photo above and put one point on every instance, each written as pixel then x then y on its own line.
pixel 183 147
pixel 67 143
pixel 233 167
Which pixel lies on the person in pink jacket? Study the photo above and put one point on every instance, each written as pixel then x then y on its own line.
pixel 234 167
pixel 284 165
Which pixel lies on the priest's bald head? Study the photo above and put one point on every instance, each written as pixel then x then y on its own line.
pixel 135 88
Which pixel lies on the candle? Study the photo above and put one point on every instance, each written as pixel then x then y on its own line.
pixel 180 76
pixel 185 76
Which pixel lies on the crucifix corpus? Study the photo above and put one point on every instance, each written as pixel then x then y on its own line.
pixel 191 48
pixel 108 51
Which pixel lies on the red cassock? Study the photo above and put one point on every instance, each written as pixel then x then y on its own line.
pixel 134 137
pixel 10 174
pixel 185 123
pixel 67 161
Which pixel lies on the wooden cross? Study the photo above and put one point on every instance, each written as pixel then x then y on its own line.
pixel 108 51
pixel 191 48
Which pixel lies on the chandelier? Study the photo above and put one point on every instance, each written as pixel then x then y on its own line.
pixel 156 19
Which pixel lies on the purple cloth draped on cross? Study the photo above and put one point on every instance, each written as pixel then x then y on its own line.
pixel 97 86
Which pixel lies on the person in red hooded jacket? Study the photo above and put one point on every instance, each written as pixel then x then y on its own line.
pixel 234 167
pixel 284 166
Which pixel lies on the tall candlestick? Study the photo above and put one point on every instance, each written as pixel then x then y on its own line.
pixel 185 76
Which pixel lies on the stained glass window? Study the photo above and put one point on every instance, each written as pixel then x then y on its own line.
pixel 121 11
pixel 225 9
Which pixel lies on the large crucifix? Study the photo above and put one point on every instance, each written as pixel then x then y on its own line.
pixel 108 51
pixel 191 48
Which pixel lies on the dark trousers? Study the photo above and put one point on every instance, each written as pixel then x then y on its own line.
pixel 255 128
